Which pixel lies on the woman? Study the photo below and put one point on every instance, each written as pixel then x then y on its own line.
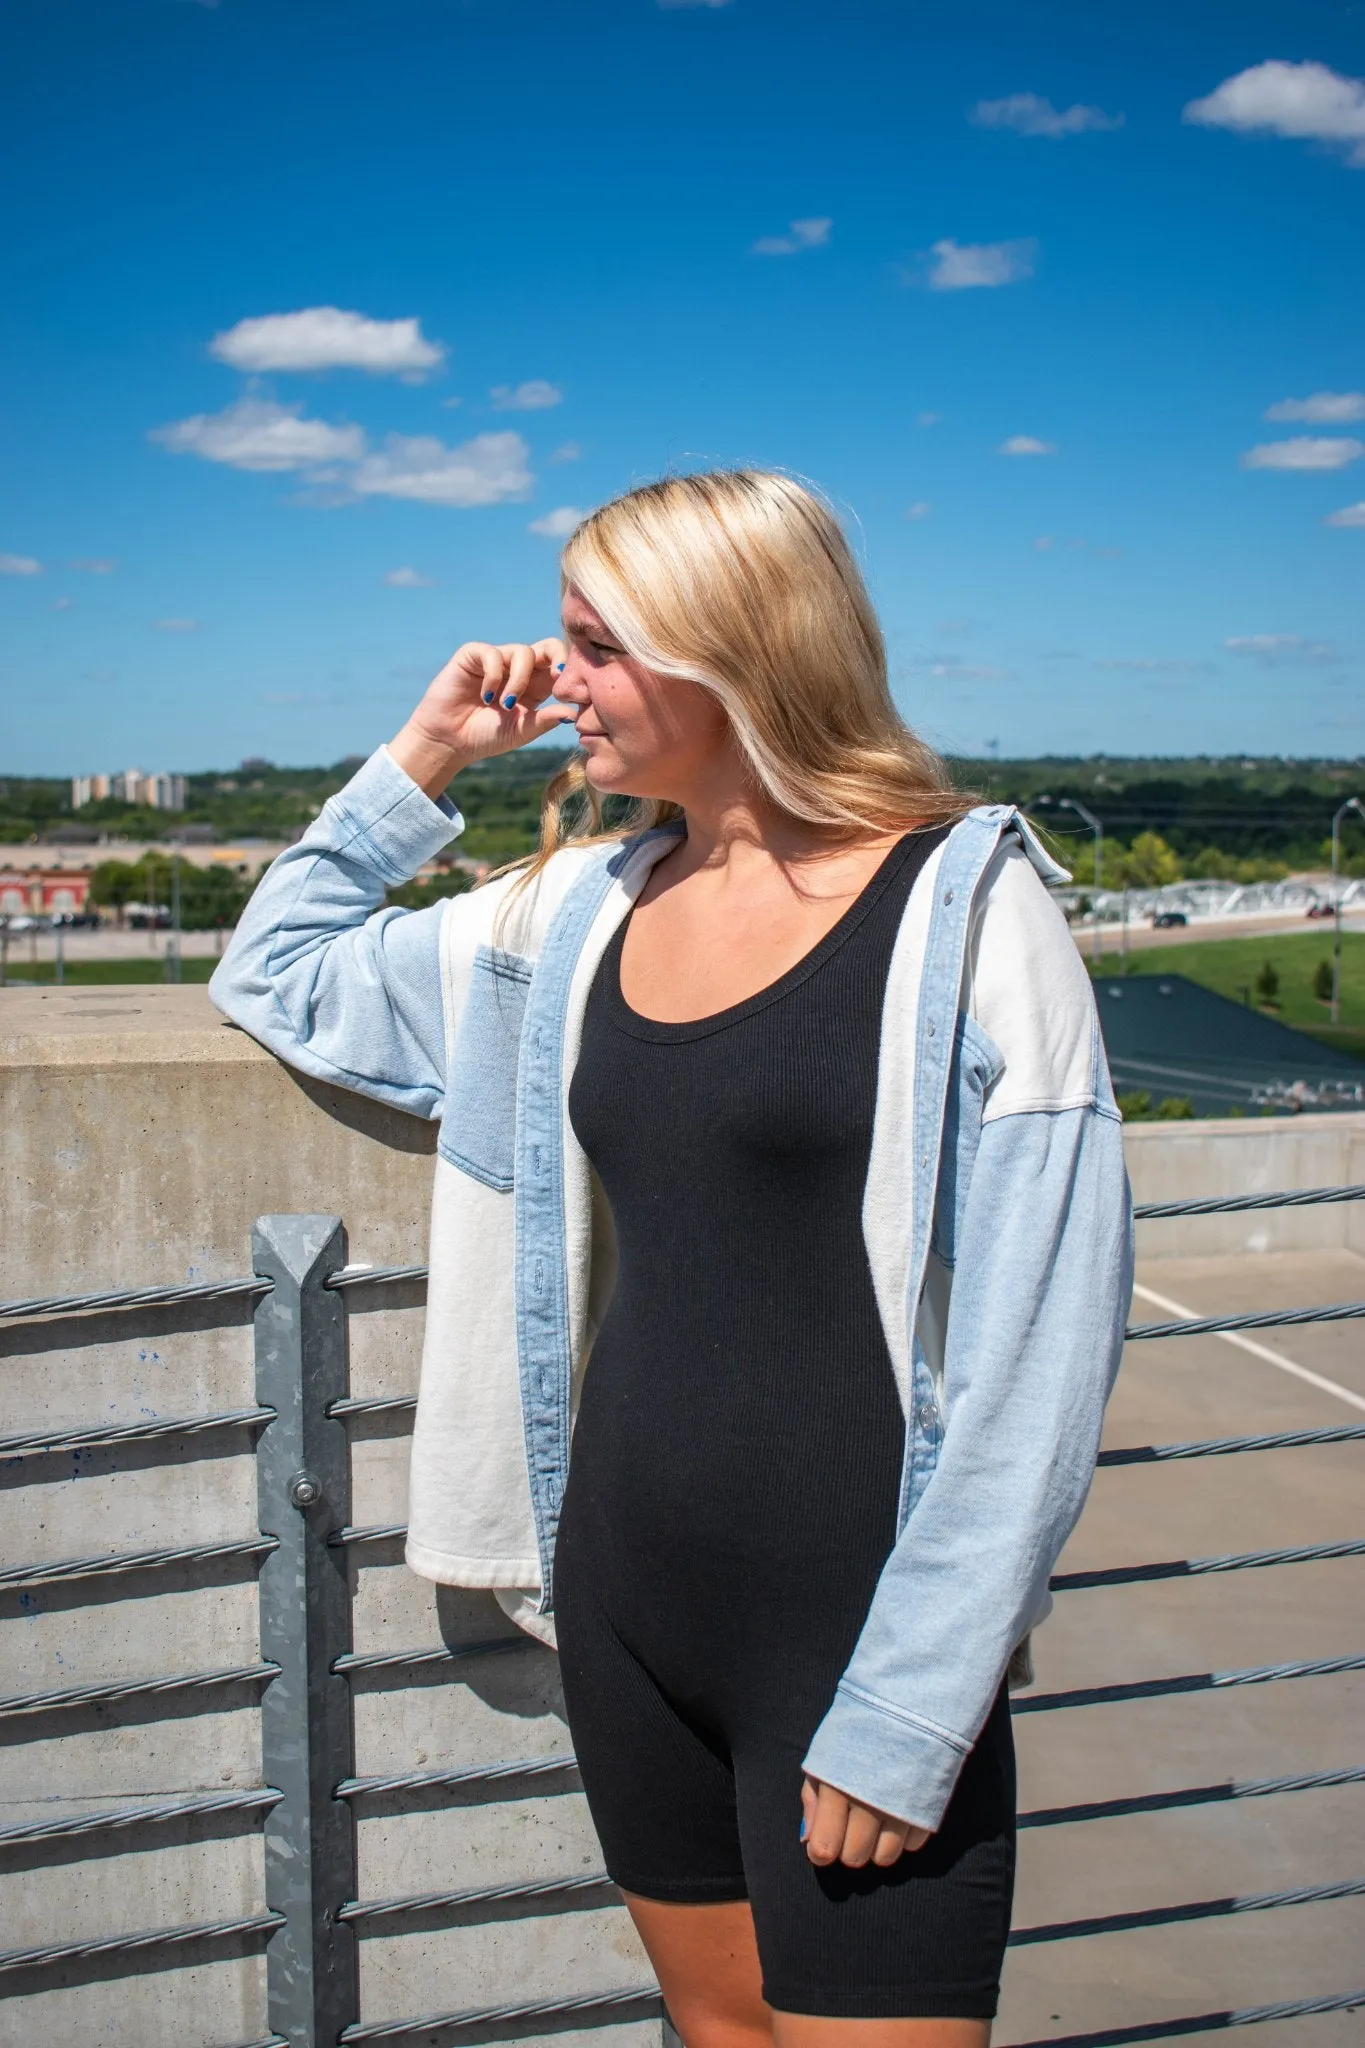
pixel 787 1102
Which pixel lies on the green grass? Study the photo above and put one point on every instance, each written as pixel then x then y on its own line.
pixel 95 973
pixel 1230 966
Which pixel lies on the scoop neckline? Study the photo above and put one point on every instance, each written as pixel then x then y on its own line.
pixel 638 1026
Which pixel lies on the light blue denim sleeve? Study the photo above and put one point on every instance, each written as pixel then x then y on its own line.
pixel 1040 1296
pixel 324 977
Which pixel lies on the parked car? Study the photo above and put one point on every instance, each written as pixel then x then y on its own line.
pixel 1166 920
pixel 1320 910
pixel 77 920
pixel 144 917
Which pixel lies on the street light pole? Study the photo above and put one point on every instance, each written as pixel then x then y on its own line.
pixel 1352 803
pixel 173 950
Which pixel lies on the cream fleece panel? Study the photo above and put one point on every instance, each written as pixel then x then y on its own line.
pixel 469 1516
pixel 1029 991
pixel 469 1507
pixel 888 1196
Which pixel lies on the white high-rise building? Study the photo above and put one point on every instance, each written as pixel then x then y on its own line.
pixel 162 792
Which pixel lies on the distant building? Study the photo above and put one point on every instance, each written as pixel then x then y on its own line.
pixel 160 791
pixel 42 892
pixel 1165 1036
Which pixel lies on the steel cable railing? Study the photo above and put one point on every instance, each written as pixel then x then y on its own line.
pixel 559 1770
pixel 42 1443
pixel 70 1570
pixel 151 1814
pixel 109 1692
pixel 52 1953
pixel 347 1277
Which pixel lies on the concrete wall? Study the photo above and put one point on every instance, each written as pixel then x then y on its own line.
pixel 140 1138
pixel 1181 1162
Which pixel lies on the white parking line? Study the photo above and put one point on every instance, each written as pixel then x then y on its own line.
pixel 1300 1372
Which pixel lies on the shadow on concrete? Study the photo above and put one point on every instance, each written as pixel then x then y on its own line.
pixel 393 1128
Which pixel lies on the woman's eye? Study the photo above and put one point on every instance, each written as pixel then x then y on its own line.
pixel 601 647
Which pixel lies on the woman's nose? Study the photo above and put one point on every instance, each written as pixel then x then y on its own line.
pixel 570 685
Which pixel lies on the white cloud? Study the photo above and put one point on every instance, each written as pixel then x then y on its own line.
pixel 177 625
pixel 257 434
pixel 919 510
pixel 954 666
pixel 94 565
pixel 1146 665
pixel 408 579
pixel 1029 114
pixel 1305 102
pixel 1305 451
pixel 20 565
pixel 559 524
pixel 489 470
pixel 569 451
pixel 1349 515
pixel 1044 542
pixel 1275 648
pixel 1323 408
pixel 325 338
pixel 536 395
pixel 928 419
pixel 959 266
pixel 63 604
pixel 802 235
pixel 451 403
pixel 1025 444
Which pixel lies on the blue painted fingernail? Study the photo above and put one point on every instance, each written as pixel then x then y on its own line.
pixel 803 1828
pixel 560 667
pixel 509 703
pixel 488 696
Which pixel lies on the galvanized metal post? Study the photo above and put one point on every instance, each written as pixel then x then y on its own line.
pixel 303 1491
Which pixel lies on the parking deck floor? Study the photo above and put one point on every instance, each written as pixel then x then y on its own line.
pixel 1178 1390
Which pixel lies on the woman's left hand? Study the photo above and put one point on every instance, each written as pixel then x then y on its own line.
pixel 842 1830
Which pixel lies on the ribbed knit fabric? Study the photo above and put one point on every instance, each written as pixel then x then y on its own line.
pixel 733 1486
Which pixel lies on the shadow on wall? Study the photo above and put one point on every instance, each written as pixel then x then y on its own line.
pixel 393 1128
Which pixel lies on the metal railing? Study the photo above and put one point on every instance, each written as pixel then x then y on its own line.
pixel 311 1916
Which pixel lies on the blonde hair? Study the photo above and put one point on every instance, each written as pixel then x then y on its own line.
pixel 742 581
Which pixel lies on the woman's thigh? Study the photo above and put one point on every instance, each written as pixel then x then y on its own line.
pixel 706 1961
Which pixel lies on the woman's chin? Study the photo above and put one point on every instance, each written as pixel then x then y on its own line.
pixel 603 770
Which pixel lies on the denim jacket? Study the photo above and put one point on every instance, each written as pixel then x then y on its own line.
pixel 996 1216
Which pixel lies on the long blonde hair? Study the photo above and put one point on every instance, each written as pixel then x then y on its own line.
pixel 742 581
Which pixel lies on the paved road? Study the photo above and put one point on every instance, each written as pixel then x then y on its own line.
pixel 1173 1391
pixel 110 944
pixel 1278 924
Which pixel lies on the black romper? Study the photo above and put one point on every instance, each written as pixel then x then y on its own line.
pixel 733 1486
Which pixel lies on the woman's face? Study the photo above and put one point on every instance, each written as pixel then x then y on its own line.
pixel 643 734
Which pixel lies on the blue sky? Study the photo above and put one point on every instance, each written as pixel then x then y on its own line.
pixel 1011 234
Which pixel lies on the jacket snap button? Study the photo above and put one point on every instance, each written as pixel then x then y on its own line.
pixel 927 1417
pixel 930 1028
pixel 947 895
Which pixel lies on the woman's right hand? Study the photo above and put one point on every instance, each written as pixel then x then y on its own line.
pixel 487 700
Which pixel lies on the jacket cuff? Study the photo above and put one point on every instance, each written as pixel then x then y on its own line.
pixel 396 823
pixel 886 1758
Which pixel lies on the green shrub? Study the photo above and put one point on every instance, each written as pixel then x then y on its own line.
pixel 1268 984
pixel 1322 981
